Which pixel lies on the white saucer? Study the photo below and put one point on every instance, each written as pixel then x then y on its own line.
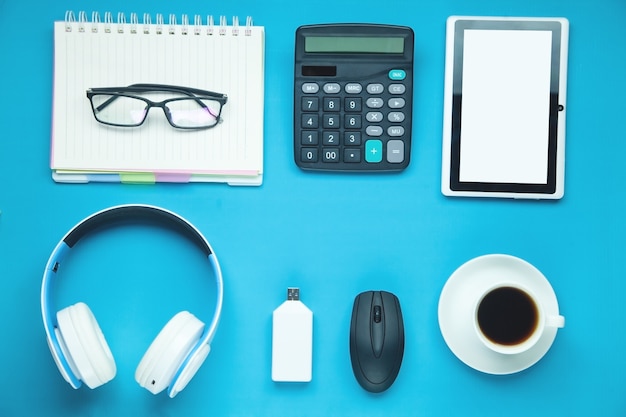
pixel 457 303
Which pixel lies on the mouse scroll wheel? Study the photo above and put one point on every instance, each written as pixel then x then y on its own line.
pixel 378 314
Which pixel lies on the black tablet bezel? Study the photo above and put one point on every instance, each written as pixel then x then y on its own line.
pixel 555 107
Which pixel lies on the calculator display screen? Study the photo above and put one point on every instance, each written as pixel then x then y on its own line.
pixel 354 44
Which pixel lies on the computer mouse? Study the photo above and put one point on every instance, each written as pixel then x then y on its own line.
pixel 376 339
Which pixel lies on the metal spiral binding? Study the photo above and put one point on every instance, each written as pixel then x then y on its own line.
pixel 82 19
pixel 197 22
pixel 108 23
pixel 69 19
pixel 159 24
pixel 121 22
pixel 95 18
pixel 210 25
pixel 249 25
pixel 134 21
pixel 172 24
pixel 184 28
pixel 235 30
pixel 147 22
pixel 223 24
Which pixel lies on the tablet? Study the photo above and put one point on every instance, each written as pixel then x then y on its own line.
pixel 504 107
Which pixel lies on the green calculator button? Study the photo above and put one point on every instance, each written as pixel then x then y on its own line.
pixel 397 74
pixel 374 151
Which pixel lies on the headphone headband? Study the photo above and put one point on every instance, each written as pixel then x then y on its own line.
pixel 128 214
pixel 116 215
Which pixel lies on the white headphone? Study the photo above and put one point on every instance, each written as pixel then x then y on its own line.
pixel 77 344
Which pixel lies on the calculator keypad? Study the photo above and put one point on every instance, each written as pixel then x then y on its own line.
pixel 359 126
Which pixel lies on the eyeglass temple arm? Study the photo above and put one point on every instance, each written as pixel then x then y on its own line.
pixel 185 90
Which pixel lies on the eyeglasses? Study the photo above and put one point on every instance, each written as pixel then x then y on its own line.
pixel 129 107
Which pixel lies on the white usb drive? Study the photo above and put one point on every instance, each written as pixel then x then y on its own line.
pixel 292 340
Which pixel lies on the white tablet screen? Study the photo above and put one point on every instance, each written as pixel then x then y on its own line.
pixel 506 99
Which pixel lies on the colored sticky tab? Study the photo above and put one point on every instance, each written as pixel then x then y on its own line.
pixel 397 74
pixel 169 177
pixel 137 178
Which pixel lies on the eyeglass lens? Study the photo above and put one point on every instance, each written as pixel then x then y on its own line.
pixel 187 112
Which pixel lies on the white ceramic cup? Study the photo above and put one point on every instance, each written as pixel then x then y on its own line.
pixel 500 307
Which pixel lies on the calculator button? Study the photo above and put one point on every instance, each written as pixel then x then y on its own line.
pixel 397 74
pixel 309 155
pixel 309 137
pixel 352 139
pixel 374 103
pixel 353 104
pixel 375 88
pixel 352 155
pixel 330 154
pixel 395 151
pixel 332 104
pixel 397 88
pixel 374 151
pixel 310 103
pixel 330 121
pixel 332 88
pixel 353 122
pixel 310 88
pixel 374 131
pixel 396 103
pixel 395 131
pixel 330 138
pixel 310 121
pixel 395 117
pixel 353 88
pixel 374 117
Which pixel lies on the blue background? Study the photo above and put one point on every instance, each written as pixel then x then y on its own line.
pixel 331 235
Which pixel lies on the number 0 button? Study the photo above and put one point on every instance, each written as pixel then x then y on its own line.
pixel 309 155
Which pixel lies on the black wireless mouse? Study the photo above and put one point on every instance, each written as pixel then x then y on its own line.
pixel 376 339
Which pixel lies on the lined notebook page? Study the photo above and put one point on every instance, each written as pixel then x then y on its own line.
pixel 223 58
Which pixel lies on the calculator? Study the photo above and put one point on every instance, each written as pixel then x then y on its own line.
pixel 353 97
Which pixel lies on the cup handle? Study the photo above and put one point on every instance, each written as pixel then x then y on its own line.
pixel 555 321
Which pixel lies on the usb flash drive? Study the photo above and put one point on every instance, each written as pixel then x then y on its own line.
pixel 292 340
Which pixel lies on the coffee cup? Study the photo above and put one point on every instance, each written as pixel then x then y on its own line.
pixel 510 319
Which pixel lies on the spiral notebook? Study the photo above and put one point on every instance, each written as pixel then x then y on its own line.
pixel 221 56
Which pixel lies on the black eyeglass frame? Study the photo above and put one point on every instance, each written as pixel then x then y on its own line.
pixel 190 92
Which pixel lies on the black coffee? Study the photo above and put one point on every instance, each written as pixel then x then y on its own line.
pixel 507 316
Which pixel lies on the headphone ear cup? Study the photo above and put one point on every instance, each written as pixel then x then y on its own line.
pixel 168 351
pixel 84 345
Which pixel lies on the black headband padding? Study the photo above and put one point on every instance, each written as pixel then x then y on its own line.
pixel 136 214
